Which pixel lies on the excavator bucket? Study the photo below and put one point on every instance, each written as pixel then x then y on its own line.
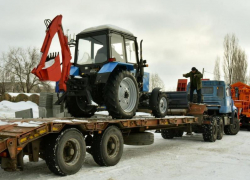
pixel 51 71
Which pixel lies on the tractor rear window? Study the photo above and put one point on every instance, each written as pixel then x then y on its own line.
pixel 207 90
pixel 92 50
pixel 130 49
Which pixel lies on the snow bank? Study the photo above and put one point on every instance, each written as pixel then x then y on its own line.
pixel 16 94
pixel 8 109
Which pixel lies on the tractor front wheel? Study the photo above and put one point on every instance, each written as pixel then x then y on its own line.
pixel 77 107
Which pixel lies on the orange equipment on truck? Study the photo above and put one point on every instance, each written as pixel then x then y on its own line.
pixel 241 96
pixel 182 85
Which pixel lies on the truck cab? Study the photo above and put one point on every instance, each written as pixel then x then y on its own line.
pixel 217 96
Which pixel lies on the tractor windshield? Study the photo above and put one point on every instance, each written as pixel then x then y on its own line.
pixel 92 49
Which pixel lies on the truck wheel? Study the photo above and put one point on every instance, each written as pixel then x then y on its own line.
pixel 107 148
pixel 167 133
pixel 162 109
pixel 232 129
pixel 78 107
pixel 65 152
pixel 179 133
pixel 210 130
pixel 220 128
pixel 121 95
pixel 143 138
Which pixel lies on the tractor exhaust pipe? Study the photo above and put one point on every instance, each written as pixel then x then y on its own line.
pixel 141 50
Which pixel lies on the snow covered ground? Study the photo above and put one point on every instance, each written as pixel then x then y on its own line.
pixel 8 109
pixel 186 158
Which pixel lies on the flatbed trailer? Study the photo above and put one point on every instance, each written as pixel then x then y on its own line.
pixel 19 137
pixel 63 142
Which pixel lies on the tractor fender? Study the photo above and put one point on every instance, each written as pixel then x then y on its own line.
pixel 107 69
pixel 153 98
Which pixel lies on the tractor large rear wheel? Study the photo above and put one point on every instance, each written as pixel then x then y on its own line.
pixel 121 95
pixel 77 107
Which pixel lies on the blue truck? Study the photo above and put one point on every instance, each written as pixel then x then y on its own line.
pixel 217 97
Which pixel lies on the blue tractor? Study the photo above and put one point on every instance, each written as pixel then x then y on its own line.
pixel 107 71
pixel 217 97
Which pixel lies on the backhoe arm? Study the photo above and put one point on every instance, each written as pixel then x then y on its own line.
pixel 49 68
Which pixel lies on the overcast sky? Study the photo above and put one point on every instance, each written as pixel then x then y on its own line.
pixel 176 34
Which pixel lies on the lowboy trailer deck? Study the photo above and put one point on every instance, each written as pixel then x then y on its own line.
pixel 63 143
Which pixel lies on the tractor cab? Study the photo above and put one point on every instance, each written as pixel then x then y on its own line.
pixel 100 45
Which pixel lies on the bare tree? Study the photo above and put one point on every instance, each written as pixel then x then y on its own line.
pixel 20 63
pixel 155 81
pixel 217 69
pixel 240 67
pixel 6 79
pixel 230 51
pixel 2 81
pixel 235 61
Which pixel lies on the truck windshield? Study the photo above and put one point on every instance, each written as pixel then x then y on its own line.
pixel 92 49
pixel 207 90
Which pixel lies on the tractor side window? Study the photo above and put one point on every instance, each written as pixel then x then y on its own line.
pixel 84 51
pixel 130 49
pixel 117 48
pixel 92 49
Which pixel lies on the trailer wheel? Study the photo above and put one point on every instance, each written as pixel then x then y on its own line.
pixel 179 133
pixel 161 109
pixel 210 130
pixel 65 152
pixel 77 107
pixel 121 95
pixel 220 128
pixel 107 148
pixel 167 133
pixel 232 129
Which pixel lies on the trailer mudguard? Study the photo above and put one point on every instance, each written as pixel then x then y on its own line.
pixel 107 69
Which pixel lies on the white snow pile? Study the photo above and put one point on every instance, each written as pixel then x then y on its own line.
pixel 8 109
pixel 27 94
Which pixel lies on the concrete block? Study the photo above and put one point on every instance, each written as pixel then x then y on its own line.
pixel 46 100
pixel 28 113
pixel 57 109
pixel 45 112
pixel 55 97
pixel 62 115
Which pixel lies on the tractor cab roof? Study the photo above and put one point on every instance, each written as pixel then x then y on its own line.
pixel 106 27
